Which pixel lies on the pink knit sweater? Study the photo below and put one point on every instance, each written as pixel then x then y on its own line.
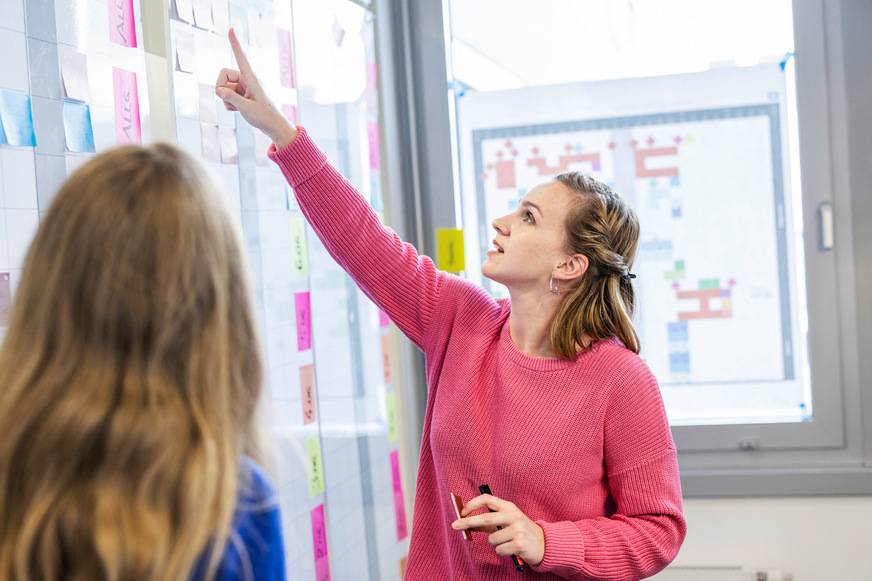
pixel 582 447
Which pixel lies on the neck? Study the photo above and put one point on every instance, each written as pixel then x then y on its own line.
pixel 530 322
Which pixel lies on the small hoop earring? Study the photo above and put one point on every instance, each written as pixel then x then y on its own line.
pixel 555 287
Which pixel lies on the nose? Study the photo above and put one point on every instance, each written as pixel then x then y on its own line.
pixel 500 225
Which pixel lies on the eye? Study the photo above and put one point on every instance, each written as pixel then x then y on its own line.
pixel 528 217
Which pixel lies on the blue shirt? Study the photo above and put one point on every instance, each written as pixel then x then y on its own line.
pixel 255 550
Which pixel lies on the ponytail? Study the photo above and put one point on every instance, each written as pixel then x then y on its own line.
pixel 605 229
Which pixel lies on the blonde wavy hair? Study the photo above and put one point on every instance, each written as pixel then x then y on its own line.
pixel 129 377
pixel 603 227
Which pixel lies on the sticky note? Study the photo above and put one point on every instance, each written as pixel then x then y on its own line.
pixel 314 466
pixel 229 148
pixel 307 387
pixel 449 250
pixel 16 115
pixel 74 73
pixel 403 566
pixel 122 29
pixel 372 133
pixel 383 320
pixel 386 357
pixel 399 502
pixel 299 255
pixel 286 64
pixel 208 103
pixel 290 112
pixel 211 145
pixel 203 14
pixel 5 299
pixel 182 10
pixel 185 60
pixel 371 93
pixel 127 124
pixel 391 405
pixel 220 17
pixel 304 321
pixel 78 131
pixel 319 544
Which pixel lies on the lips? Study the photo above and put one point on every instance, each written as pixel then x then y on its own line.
pixel 497 247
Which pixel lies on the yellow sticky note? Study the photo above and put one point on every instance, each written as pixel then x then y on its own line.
pixel 314 466
pixel 299 255
pixel 449 250
pixel 391 404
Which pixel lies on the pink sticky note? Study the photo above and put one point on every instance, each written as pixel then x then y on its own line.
pixel 372 132
pixel 286 65
pixel 290 112
pixel 383 320
pixel 304 321
pixel 371 75
pixel 319 543
pixel 307 388
pixel 122 29
pixel 399 503
pixel 127 124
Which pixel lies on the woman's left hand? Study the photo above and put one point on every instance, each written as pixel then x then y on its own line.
pixel 519 535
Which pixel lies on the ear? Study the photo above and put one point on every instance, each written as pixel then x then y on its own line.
pixel 572 269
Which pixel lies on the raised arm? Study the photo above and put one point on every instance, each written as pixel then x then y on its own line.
pixel 405 285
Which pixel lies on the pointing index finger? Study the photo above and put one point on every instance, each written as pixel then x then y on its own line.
pixel 241 59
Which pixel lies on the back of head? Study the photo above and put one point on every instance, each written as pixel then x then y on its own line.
pixel 129 375
pixel 604 228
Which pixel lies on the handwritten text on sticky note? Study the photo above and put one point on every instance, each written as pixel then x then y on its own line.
pixel 122 29
pixel 304 321
pixel 449 250
pixel 399 502
pixel 391 405
pixel 127 124
pixel 307 389
pixel 314 466
pixel 299 255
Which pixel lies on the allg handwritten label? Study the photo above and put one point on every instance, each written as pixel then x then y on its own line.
pixel 122 29
pixel 127 125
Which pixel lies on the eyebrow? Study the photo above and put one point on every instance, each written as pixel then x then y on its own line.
pixel 526 203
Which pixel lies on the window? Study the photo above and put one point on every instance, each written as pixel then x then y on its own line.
pixel 720 141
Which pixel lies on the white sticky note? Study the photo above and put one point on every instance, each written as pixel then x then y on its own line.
pixel 19 179
pixel 182 10
pixel 229 148
pixel 74 72
pixel 211 148
pixel 21 226
pixel 185 59
pixel 208 103
pixel 203 14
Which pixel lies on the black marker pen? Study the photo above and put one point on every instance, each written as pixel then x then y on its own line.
pixel 519 563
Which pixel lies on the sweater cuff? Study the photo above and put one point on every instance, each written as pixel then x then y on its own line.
pixel 300 159
pixel 564 549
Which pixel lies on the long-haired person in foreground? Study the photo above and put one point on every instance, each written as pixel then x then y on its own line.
pixel 129 378
pixel 542 396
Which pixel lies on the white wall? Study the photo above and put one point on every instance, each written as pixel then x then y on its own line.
pixel 815 538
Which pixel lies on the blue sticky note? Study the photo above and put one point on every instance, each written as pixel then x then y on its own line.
pixel 78 132
pixel 2 133
pixel 17 118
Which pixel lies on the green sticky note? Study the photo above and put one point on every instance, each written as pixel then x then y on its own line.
pixel 391 403
pixel 314 466
pixel 299 255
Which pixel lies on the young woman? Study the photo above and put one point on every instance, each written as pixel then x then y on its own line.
pixel 542 396
pixel 129 377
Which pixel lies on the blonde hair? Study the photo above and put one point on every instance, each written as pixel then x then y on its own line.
pixel 129 376
pixel 605 229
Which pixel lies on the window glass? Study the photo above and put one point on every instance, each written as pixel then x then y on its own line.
pixel 688 110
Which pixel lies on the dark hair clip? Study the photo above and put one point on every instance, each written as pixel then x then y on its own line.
pixel 625 278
